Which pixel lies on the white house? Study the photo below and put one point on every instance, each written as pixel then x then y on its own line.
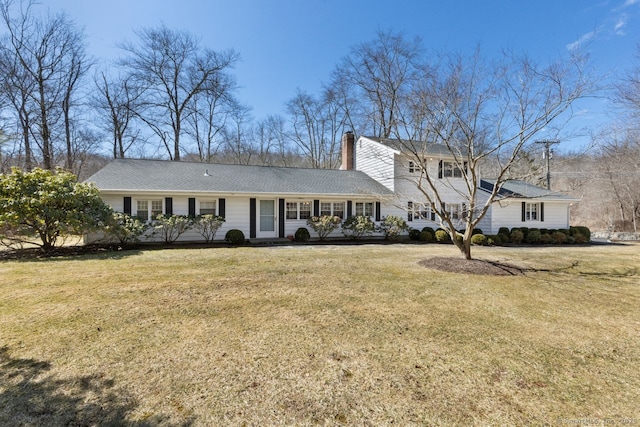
pixel 519 204
pixel 376 179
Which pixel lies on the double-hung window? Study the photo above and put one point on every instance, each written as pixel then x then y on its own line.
pixel 421 211
pixel 297 210
pixel 451 170
pixel 207 207
pixel 364 209
pixel 332 209
pixel 532 211
pixel 455 210
pixel 148 209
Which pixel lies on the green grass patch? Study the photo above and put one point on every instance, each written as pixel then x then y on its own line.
pixel 308 335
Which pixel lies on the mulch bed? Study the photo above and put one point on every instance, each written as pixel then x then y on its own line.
pixel 474 266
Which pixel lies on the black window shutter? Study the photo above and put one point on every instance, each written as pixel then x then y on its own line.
pixel 222 208
pixel 127 205
pixel 542 212
pixel 377 211
pixel 409 211
pixel 192 206
pixel 433 216
pixel 463 214
pixel 524 211
pixel 168 205
pixel 440 169
pixel 349 209
pixel 281 216
pixel 252 218
pixel 316 208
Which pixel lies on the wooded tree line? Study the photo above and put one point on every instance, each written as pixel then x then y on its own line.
pixel 169 96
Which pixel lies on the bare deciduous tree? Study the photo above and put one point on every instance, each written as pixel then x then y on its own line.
pixel 45 59
pixel 478 110
pixel 376 78
pixel 317 126
pixel 115 100
pixel 171 68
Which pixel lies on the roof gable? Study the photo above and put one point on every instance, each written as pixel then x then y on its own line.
pixel 421 147
pixel 168 176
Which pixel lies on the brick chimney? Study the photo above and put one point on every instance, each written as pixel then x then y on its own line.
pixel 348 143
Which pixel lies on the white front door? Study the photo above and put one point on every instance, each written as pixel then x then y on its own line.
pixel 267 219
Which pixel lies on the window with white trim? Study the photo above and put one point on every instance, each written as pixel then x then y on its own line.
pixel 207 207
pixel 455 210
pixel 451 170
pixel 332 209
pixel 297 210
pixel 148 209
pixel 364 209
pixel 415 167
pixel 420 211
pixel 532 212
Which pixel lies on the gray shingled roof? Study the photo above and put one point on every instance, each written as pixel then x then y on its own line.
pixel 167 176
pixel 422 147
pixel 522 189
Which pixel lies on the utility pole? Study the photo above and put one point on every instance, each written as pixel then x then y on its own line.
pixel 547 155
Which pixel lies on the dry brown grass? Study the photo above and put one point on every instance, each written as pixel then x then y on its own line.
pixel 354 335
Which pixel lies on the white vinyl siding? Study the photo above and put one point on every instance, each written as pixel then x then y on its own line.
pixel 376 160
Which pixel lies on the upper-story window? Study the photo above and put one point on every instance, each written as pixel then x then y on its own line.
pixel 415 166
pixel 450 170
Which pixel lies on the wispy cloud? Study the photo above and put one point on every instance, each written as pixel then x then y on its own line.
pixel 585 38
pixel 620 24
pixel 630 3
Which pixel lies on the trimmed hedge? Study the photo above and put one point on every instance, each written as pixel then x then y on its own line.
pixel 426 237
pixel 479 239
pixel 235 237
pixel 302 235
pixel 442 236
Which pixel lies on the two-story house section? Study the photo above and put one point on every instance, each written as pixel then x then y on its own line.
pixel 388 162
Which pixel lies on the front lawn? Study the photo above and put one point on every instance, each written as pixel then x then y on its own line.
pixel 328 335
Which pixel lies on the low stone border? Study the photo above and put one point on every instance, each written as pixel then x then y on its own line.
pixel 615 235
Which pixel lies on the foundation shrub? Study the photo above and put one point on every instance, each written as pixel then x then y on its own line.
pixel 517 236
pixel 558 238
pixel 442 236
pixel 426 237
pixel 533 237
pixel 234 236
pixel 414 234
pixel 392 226
pixel 479 239
pixel 504 230
pixel 504 238
pixel 302 235
pixel 429 229
pixel 359 226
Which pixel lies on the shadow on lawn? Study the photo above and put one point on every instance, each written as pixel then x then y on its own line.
pixel 67 252
pixel 29 395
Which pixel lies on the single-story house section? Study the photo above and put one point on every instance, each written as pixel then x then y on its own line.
pixel 520 204
pixel 262 201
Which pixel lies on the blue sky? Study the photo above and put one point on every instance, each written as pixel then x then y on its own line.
pixel 290 44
